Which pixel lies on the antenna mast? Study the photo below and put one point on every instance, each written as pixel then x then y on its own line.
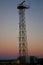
pixel 23 50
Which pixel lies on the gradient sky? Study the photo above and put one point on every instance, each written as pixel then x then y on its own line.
pixel 9 28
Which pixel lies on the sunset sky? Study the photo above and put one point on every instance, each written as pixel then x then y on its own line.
pixel 9 28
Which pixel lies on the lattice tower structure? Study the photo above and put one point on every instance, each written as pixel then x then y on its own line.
pixel 23 50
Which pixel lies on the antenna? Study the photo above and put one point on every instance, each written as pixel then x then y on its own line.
pixel 21 6
pixel 22 2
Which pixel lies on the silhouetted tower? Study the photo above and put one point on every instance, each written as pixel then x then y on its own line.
pixel 23 51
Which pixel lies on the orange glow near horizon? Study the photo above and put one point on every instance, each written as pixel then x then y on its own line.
pixel 10 47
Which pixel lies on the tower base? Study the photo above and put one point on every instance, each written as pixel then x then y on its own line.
pixel 22 60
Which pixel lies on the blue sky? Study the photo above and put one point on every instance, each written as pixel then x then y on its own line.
pixel 9 27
